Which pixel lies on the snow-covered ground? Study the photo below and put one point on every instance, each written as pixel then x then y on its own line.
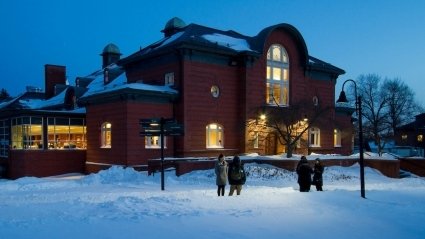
pixel 123 203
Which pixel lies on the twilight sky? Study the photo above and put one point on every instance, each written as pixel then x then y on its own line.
pixel 386 37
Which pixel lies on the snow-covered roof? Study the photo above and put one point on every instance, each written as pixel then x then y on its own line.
pixel 97 86
pixel 56 100
pixel 236 44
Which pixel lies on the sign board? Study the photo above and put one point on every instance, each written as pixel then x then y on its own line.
pixel 160 127
pixel 152 127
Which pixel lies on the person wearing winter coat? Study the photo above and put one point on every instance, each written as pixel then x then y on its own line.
pixel 236 176
pixel 304 172
pixel 318 175
pixel 220 169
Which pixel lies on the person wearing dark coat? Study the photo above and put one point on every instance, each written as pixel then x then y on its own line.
pixel 236 176
pixel 304 172
pixel 318 175
pixel 220 170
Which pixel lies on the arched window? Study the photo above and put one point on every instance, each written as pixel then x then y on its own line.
pixel 314 137
pixel 214 136
pixel 106 135
pixel 337 138
pixel 277 76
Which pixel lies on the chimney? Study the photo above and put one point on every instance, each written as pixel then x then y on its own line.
pixel 53 75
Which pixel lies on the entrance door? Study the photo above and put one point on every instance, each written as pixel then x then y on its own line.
pixel 270 144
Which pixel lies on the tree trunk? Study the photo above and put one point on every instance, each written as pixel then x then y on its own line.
pixel 289 150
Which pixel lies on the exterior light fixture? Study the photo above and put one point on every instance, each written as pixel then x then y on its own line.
pixel 343 99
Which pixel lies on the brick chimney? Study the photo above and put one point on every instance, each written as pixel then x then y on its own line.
pixel 53 75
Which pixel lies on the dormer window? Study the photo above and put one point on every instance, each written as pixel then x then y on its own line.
pixel 169 79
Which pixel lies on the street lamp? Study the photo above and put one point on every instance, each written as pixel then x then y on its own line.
pixel 343 99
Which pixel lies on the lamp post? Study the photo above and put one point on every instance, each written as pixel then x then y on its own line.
pixel 343 99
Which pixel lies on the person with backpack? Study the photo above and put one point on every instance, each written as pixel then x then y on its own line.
pixel 220 169
pixel 304 172
pixel 318 175
pixel 237 176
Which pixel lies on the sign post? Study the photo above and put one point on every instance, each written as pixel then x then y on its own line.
pixel 160 127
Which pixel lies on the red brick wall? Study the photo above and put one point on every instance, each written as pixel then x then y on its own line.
pixel 201 109
pixel 43 163
pixel 413 165
pixel 128 148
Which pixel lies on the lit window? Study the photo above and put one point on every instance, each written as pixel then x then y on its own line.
pixel 106 135
pixel 314 137
pixel 66 133
pixel 214 136
pixel 169 78
pixel 337 138
pixel 154 142
pixel 256 135
pixel 27 133
pixel 404 137
pixel 420 138
pixel 277 73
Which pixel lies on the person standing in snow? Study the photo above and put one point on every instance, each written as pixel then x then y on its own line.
pixel 304 172
pixel 318 175
pixel 221 168
pixel 236 176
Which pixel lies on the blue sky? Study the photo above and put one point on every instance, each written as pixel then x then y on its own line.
pixel 361 37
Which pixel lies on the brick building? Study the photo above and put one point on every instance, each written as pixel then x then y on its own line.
pixel 222 86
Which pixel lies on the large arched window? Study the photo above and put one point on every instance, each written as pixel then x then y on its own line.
pixel 106 135
pixel 277 76
pixel 214 136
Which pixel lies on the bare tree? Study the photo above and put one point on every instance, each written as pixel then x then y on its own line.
pixel 288 123
pixel 402 106
pixel 3 94
pixel 375 109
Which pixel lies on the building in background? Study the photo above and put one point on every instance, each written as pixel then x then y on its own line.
pixel 409 138
pixel 213 82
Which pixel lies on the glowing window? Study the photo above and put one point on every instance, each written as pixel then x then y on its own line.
pixel 106 135
pixel 404 137
pixel 27 133
pixel 420 138
pixel 66 133
pixel 154 142
pixel 214 136
pixel 256 140
pixel 337 138
pixel 277 74
pixel 314 137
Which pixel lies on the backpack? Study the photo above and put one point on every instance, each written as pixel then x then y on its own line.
pixel 236 173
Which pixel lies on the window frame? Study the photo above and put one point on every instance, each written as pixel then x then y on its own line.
pixel 23 136
pixel 214 132
pixel 314 137
pixel 277 76
pixel 105 131
pixel 149 139
pixel 337 138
